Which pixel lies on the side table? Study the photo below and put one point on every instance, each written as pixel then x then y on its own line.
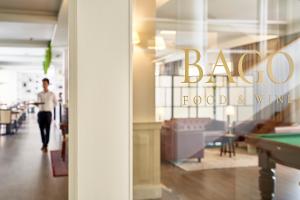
pixel 227 144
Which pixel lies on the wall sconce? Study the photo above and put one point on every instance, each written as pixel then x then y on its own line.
pixel 157 44
pixel 135 38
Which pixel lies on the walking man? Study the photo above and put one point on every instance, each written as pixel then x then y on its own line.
pixel 46 102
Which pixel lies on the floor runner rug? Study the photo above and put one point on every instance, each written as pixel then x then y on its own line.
pixel 59 167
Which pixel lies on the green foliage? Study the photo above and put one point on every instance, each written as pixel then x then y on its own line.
pixel 48 59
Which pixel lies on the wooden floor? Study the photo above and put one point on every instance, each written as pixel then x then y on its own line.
pixel 25 172
pixel 226 184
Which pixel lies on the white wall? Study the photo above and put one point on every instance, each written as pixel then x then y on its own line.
pixel 8 87
pixel 21 85
pixel 99 100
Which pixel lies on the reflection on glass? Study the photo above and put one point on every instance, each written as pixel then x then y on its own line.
pixel 249 48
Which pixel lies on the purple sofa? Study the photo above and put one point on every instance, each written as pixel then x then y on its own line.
pixel 186 138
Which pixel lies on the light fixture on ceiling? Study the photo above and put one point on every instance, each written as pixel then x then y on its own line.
pixel 157 44
pixel 135 38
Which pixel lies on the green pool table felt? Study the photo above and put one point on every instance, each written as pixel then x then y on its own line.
pixel 288 138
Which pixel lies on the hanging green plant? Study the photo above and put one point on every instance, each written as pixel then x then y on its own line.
pixel 48 58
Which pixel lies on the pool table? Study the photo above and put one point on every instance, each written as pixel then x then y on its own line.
pixel 283 148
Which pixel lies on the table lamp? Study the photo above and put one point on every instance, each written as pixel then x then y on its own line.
pixel 229 111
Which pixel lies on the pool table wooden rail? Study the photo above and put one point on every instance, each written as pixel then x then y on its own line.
pixel 271 152
pixel 282 153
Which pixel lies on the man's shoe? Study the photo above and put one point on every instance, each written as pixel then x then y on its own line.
pixel 45 150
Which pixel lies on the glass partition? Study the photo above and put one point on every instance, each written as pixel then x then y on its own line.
pixel 220 80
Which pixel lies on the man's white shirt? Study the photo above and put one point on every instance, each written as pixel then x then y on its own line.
pixel 49 100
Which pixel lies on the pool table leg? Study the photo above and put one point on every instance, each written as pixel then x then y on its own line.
pixel 266 176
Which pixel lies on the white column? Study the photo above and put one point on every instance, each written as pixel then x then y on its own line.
pixel 263 25
pixel 146 133
pixel 99 100
pixel 143 66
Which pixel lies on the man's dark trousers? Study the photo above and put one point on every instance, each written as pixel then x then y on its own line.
pixel 44 120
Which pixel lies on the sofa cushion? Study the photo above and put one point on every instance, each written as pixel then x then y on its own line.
pixel 190 123
pixel 215 125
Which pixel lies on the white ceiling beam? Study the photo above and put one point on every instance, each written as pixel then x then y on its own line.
pixel 27 17
pixel 22 64
pixel 23 43
pixel 22 68
pixel 22 58
pixel 233 26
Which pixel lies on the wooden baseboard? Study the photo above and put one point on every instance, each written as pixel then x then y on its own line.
pixel 146 161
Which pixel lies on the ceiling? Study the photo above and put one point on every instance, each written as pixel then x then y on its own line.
pixel 47 6
pixel 21 58
pixel 26 31
pixel 220 24
pixel 26 27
